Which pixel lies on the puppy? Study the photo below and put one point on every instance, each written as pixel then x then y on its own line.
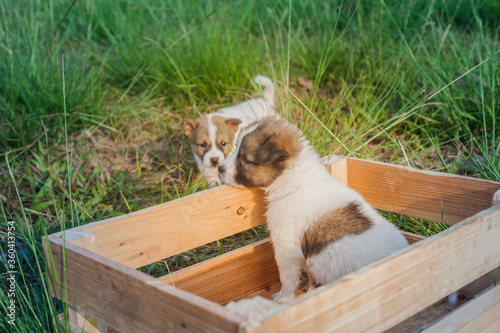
pixel 317 224
pixel 214 136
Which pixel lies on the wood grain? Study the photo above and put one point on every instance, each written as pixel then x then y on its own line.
pixel 127 299
pixel 381 295
pixel 230 276
pixel 338 168
pixel 412 238
pixel 162 231
pixel 429 195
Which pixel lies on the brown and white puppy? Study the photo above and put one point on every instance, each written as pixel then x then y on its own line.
pixel 213 137
pixel 317 224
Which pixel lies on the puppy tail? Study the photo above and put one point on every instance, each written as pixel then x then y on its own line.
pixel 268 93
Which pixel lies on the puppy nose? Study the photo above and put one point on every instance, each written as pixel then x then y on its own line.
pixel 221 169
pixel 214 160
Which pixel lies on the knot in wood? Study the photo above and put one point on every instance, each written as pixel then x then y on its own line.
pixel 240 211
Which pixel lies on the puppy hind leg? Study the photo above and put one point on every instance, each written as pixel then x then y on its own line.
pixel 311 282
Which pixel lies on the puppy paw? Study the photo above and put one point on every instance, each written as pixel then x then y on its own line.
pixel 213 181
pixel 212 177
pixel 281 298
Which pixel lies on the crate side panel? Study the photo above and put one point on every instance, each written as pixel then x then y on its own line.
pixel 229 277
pixel 129 300
pixel 429 195
pixel 159 232
pixel 385 293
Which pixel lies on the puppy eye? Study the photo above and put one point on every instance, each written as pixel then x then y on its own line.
pixel 246 161
pixel 223 143
pixel 203 145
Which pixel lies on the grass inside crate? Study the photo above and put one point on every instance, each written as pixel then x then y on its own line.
pixel 414 224
pixel 205 252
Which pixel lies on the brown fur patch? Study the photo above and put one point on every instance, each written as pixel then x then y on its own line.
pixel 333 226
pixel 266 152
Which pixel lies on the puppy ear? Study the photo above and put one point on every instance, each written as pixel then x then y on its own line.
pixel 233 124
pixel 269 152
pixel 189 125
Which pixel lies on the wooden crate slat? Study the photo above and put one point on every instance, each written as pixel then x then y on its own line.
pixel 381 295
pixel 412 238
pixel 161 231
pixel 338 168
pixel 230 276
pixel 429 195
pixel 479 315
pixel 129 300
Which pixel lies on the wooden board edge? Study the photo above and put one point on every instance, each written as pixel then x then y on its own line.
pixel 96 285
pixel 479 315
pixel 365 301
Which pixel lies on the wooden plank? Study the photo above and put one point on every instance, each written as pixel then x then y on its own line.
pixel 479 315
pixel 127 299
pixel 159 232
pixel 412 238
pixel 381 295
pixel 429 195
pixel 230 276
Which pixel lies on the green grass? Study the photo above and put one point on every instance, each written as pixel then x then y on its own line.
pixel 411 83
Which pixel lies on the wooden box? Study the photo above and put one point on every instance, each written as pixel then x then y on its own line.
pixel 94 267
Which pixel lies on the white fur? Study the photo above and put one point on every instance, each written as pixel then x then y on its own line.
pixel 247 112
pixel 296 199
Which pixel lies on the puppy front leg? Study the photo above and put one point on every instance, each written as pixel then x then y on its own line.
pixel 289 267
pixel 211 174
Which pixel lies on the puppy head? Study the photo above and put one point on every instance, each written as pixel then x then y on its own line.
pixel 265 149
pixel 211 137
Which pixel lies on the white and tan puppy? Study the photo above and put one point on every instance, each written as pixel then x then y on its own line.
pixel 213 137
pixel 317 224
